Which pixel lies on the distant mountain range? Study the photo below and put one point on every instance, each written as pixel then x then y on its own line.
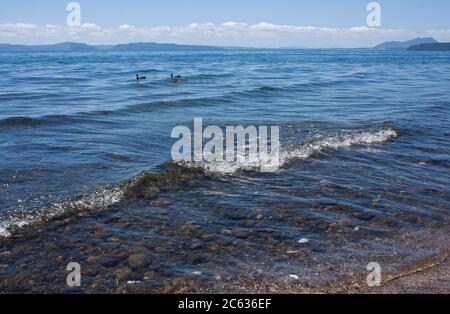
pixel 418 44
pixel 79 47
pixel 405 45
pixel 431 47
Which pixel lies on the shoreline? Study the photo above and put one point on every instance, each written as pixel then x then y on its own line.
pixel 432 278
pixel 430 275
pixel 34 261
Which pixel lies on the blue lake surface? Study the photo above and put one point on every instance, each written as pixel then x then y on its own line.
pixel 365 135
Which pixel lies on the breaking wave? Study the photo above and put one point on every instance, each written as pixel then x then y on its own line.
pixel 303 150
pixel 175 174
pixel 99 199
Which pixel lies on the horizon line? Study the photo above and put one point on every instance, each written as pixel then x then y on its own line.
pixel 197 45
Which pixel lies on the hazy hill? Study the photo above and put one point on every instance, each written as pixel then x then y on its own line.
pixel 431 47
pixel 60 47
pixel 406 44
pixel 79 47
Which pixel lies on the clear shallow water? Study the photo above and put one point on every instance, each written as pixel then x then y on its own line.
pixel 365 172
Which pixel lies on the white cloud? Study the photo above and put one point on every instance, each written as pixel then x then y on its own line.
pixel 126 27
pixel 232 24
pixel 361 29
pixel 229 32
pixel 12 30
pixel 17 27
pixel 439 34
pixel 23 26
pixel 90 26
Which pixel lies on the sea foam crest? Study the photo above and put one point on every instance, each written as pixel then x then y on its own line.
pixel 302 150
pixel 99 199
pixel 103 198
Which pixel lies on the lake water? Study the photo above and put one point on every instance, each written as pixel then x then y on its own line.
pixel 85 171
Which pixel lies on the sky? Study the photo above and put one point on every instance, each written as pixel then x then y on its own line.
pixel 255 23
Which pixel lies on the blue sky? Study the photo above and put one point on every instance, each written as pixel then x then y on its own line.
pixel 264 23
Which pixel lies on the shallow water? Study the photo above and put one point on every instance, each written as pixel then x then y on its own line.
pixel 85 171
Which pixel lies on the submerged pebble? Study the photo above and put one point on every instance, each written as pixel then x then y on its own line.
pixel 122 273
pixel 241 234
pixel 138 261
pixel 162 202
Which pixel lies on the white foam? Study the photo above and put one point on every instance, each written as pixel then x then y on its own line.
pixel 4 233
pixel 99 199
pixel 303 150
pixel 342 140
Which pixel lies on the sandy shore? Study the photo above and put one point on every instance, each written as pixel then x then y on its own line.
pixel 435 280
pixel 431 277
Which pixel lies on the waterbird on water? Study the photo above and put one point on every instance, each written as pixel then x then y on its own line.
pixel 140 78
pixel 175 78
